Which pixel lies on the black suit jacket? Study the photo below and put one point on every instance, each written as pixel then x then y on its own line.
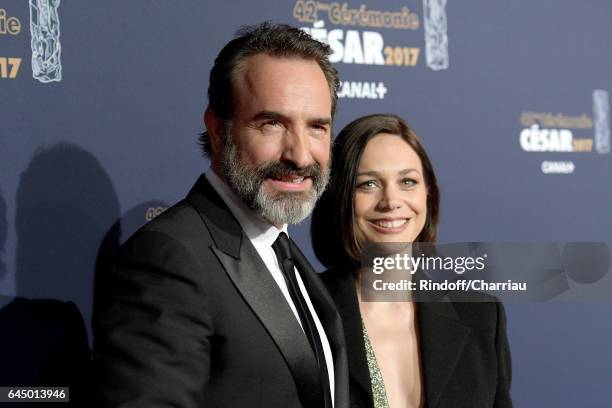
pixel 465 355
pixel 191 317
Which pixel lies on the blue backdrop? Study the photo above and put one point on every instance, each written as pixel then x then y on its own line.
pixel 101 103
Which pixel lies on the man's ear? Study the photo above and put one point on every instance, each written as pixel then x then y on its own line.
pixel 214 126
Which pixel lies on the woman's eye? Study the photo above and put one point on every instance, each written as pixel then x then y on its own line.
pixel 367 185
pixel 408 182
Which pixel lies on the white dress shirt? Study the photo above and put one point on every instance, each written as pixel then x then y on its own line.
pixel 262 235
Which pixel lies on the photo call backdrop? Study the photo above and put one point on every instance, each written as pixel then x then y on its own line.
pixel 101 104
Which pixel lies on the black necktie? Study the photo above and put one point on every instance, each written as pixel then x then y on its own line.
pixel 282 249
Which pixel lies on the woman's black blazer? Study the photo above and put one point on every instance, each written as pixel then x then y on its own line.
pixel 464 350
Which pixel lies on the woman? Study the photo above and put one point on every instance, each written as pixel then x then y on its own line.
pixel 402 354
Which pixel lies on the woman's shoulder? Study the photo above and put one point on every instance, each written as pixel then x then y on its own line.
pixel 479 311
pixel 340 284
pixel 335 277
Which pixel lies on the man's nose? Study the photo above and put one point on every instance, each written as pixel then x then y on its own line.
pixel 296 148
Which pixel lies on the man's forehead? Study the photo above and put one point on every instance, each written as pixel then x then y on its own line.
pixel 276 69
pixel 285 83
pixel 263 58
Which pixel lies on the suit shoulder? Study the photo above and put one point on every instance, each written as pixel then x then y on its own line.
pixel 472 296
pixel 180 215
pixel 479 310
pixel 182 223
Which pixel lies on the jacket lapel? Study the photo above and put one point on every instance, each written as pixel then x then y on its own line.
pixel 252 279
pixel 443 338
pixel 341 286
pixel 332 323
pixel 441 334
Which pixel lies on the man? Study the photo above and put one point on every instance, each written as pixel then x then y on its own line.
pixel 210 305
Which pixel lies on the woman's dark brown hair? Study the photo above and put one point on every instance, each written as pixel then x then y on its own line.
pixel 332 226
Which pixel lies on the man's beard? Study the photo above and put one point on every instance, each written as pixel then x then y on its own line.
pixel 280 207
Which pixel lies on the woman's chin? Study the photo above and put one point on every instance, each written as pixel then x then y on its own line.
pixel 389 238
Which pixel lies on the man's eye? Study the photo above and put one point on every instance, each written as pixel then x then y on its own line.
pixel 271 126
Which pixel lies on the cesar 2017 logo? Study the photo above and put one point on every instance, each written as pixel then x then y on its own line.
pixel 555 133
pixel 368 47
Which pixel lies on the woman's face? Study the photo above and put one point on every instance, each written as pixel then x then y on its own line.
pixel 390 194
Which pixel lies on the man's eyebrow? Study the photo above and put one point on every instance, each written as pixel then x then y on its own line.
pixel 321 121
pixel 266 115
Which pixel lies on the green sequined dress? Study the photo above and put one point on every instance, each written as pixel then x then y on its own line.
pixel 379 393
